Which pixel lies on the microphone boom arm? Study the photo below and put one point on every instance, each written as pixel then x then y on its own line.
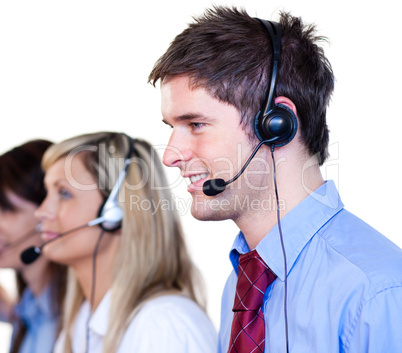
pixel 246 164
pixel 214 187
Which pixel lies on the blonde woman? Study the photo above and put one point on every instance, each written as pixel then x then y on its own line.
pixel 134 289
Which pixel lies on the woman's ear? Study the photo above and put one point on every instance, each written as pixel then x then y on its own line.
pixel 287 102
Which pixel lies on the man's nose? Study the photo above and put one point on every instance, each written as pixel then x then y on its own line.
pixel 177 152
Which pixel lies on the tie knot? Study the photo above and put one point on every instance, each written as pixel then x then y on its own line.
pixel 254 276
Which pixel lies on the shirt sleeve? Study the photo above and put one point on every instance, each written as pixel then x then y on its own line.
pixel 175 325
pixel 378 326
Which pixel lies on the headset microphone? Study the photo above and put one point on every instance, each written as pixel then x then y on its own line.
pixel 275 124
pixel 216 186
pixel 31 254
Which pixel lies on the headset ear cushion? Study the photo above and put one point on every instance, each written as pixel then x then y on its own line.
pixel 277 127
pixel 113 217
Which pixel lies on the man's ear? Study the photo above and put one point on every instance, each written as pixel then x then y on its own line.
pixel 287 102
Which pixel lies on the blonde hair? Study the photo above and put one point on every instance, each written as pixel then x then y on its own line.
pixel 152 258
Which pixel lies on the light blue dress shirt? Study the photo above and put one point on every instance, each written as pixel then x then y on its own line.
pixel 41 321
pixel 344 282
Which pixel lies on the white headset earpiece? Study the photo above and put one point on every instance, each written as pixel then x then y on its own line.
pixel 110 214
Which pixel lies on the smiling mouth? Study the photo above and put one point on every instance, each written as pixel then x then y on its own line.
pixel 195 178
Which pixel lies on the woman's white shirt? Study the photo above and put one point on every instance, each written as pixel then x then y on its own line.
pixel 169 323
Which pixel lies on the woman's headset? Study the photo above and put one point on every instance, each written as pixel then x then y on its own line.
pixel 111 211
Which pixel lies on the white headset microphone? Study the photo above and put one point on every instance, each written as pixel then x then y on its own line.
pixel 110 217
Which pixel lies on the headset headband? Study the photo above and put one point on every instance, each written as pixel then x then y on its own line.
pixel 275 32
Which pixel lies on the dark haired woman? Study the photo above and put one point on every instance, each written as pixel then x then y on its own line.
pixel 41 285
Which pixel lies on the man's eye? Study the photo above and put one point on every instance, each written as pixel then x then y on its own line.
pixel 196 126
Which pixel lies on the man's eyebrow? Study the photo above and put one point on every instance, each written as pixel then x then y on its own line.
pixel 184 117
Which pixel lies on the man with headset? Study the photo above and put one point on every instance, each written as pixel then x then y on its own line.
pixel 246 100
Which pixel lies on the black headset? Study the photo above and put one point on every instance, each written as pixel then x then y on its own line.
pixel 111 211
pixel 275 124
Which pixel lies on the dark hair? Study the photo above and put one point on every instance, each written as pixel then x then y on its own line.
pixel 21 173
pixel 228 53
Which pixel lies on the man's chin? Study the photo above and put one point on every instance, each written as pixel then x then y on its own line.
pixel 206 208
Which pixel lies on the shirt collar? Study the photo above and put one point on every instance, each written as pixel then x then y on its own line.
pixel 100 319
pixel 298 227
pixel 31 308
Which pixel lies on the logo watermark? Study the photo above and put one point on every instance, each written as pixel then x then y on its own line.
pixel 184 205
pixel 257 177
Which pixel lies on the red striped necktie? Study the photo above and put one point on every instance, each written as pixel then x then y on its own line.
pixel 248 328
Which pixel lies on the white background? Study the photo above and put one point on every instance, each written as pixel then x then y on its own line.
pixel 70 67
